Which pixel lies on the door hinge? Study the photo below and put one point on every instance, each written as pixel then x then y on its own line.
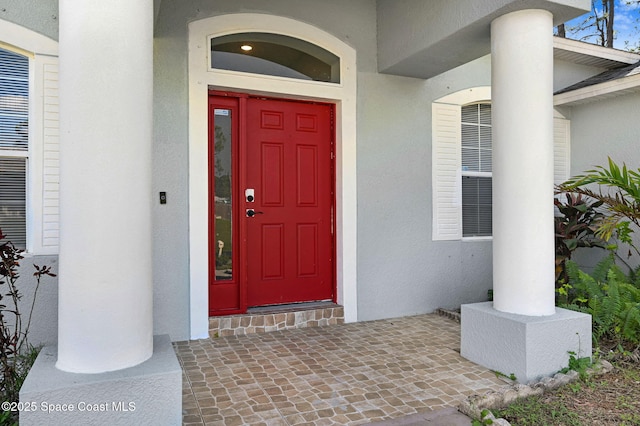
pixel 333 221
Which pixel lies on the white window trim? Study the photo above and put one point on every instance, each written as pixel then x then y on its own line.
pixel 343 94
pixel 446 160
pixel 42 167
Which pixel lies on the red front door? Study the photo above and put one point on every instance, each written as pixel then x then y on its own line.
pixel 289 239
pixel 282 192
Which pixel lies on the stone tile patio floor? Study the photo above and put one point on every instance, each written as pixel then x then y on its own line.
pixel 353 374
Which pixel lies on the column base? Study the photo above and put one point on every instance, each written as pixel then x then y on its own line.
pixel 148 393
pixel 526 346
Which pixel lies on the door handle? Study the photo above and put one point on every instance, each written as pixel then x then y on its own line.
pixel 252 212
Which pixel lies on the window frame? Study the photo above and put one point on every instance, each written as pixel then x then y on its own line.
pixel 446 167
pixel 471 173
pixel 475 237
pixel 42 155
pixel 23 153
pixel 262 40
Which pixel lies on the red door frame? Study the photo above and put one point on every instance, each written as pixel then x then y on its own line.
pixel 222 290
pixel 238 102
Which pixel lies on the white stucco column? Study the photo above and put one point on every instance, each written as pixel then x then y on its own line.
pixel 522 108
pixel 105 283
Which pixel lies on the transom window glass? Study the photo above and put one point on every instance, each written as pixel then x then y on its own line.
pixel 14 144
pixel 476 170
pixel 274 54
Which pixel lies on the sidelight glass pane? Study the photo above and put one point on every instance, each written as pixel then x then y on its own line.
pixel 223 209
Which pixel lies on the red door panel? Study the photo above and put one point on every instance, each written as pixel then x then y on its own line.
pixel 282 150
pixel 272 173
pixel 289 240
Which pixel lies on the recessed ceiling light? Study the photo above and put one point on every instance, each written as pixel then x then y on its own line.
pixel 246 47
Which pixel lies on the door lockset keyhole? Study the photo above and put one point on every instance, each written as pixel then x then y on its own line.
pixel 249 195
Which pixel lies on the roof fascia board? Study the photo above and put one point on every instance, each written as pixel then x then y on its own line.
pixel 589 51
pixel 602 90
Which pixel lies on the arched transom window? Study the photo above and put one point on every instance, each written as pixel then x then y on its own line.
pixel 274 54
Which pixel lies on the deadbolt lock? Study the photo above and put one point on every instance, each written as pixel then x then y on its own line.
pixel 249 195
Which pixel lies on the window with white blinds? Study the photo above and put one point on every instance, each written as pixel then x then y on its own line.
pixel 12 199
pixel 14 144
pixel 461 163
pixel 476 170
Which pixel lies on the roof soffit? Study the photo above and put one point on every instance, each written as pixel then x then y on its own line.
pixel 582 53
pixel 423 39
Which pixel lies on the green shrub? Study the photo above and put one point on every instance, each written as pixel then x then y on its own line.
pixel 16 354
pixel 618 192
pixel 610 296
pixel 575 227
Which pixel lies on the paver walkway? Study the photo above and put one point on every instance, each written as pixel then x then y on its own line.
pixel 346 374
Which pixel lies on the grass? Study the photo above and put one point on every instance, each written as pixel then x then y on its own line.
pixel 23 364
pixel 608 399
pixel 537 411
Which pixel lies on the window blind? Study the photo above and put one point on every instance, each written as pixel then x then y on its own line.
pixel 476 138
pixel 14 144
pixel 12 199
pixel 476 159
pixel 476 206
pixel 14 101
pixel 447 170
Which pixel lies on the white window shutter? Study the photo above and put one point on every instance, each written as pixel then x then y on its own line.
pixel 561 150
pixel 51 156
pixel 446 180
pixel 45 149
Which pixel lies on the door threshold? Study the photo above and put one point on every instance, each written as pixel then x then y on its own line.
pixel 289 307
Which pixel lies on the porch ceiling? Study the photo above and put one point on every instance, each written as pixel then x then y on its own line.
pixel 418 38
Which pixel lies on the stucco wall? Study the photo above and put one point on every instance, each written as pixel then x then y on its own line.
pixel 607 128
pixel 401 271
pixel 565 74
pixel 40 16
pixel 599 130
pixel 353 22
